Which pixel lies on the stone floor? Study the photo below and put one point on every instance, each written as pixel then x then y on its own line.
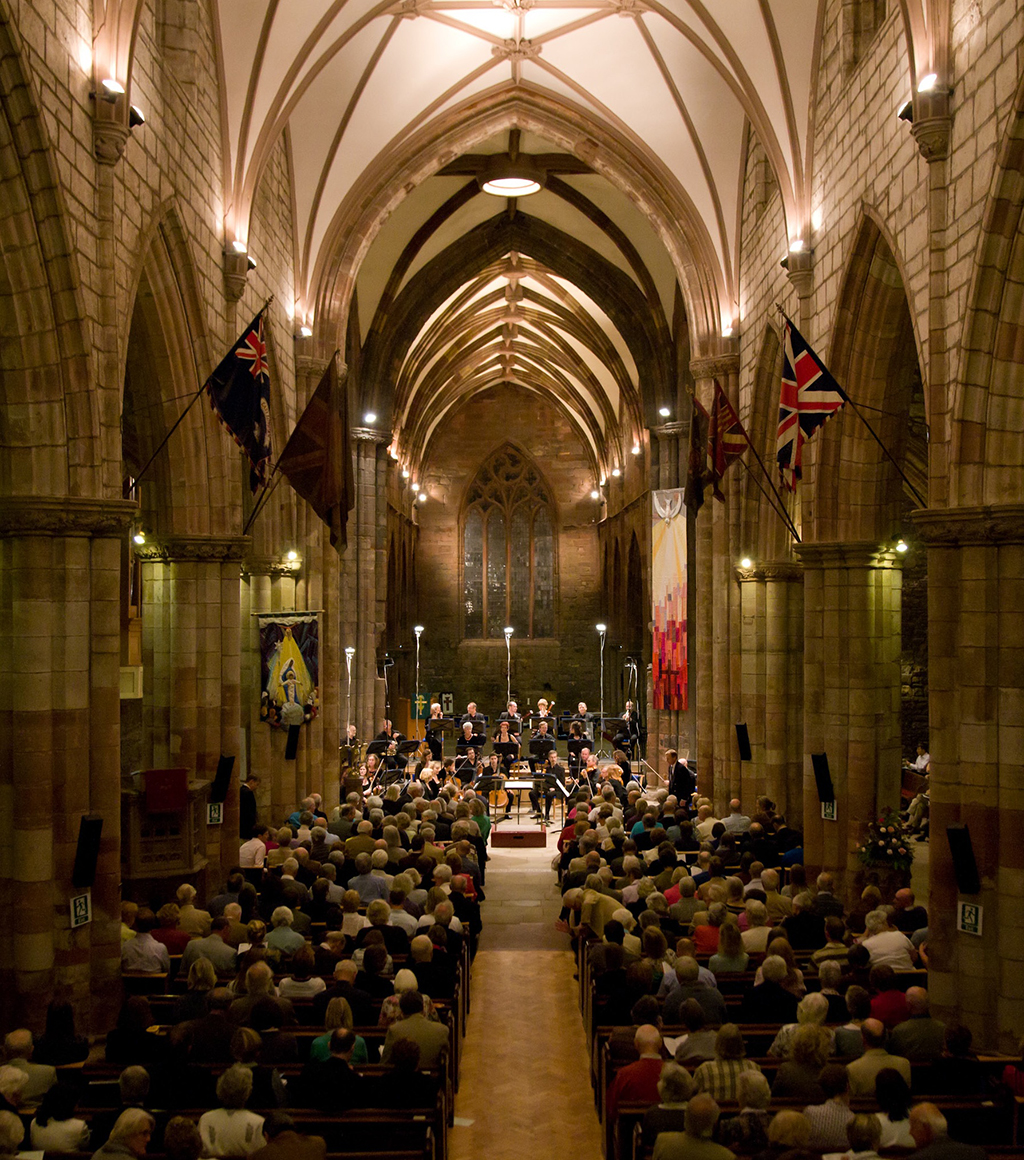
pixel 525 1086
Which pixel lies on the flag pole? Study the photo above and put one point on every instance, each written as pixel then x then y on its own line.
pixel 261 502
pixel 779 510
pixel 874 434
pixel 177 423
pixel 775 491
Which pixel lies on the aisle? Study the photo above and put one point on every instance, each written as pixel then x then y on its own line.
pixel 525 1077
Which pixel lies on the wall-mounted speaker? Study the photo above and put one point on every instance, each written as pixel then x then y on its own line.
pixel 87 851
pixel 222 778
pixel 743 741
pixel 964 866
pixel 292 744
pixel 822 777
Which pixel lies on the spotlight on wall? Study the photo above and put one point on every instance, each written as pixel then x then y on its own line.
pixel 422 497
pixel 370 417
pixel 727 330
pixel 292 560
pixel 616 473
pixel 250 261
pixel 746 562
pixel 109 90
pixel 902 545
pixel 405 473
pixel 595 494
pixel 635 450
pixel 604 480
pixel 139 537
pixel 305 331
pixel 238 246
pixel 796 246
pixel 906 113
pixel 927 83
pixel 136 117
pixel 664 412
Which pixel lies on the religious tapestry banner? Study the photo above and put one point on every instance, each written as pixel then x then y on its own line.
pixel 289 668
pixel 668 596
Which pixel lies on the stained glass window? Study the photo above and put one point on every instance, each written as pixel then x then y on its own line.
pixel 508 550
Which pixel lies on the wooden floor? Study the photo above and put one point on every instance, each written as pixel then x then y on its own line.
pixel 525 1088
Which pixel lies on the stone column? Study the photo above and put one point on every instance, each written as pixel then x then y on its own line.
pixel 718 610
pixel 976 709
pixel 364 576
pixel 670 729
pixel 192 655
pixel 771 598
pixel 851 695
pixel 59 749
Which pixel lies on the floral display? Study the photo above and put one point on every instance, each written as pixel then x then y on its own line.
pixel 885 844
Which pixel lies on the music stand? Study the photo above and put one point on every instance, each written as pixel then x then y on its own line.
pixel 540 747
pixel 477 742
pixel 507 750
pixel 576 747
pixel 563 726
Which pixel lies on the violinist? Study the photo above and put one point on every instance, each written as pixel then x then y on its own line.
pixel 506 743
pixel 433 735
pixel 467 768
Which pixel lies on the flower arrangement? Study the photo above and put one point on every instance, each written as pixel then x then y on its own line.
pixel 885 843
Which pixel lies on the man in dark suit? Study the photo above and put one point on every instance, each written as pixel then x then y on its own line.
pixel 681 780
pixel 825 901
pixel 331 1084
pixel 361 1002
pixel 284 1143
pixel 477 720
pixel 247 809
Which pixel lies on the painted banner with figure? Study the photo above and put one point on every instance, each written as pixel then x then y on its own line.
pixel 668 596
pixel 289 668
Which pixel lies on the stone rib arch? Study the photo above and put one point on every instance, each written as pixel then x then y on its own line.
pixel 988 391
pixel 167 345
pixel 850 489
pixel 655 191
pixel 45 368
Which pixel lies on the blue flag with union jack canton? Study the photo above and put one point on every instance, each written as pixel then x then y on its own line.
pixel 239 391
pixel 810 395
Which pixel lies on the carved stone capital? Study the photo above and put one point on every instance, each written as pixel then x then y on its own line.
pixel 800 272
pixel 670 430
pixel 370 435
pixel 848 555
pixel 65 516
pixel 933 137
pixel 268 566
pixel 236 270
pixel 108 141
pixel 197 549
pixel 774 571
pixel 715 365
pixel 991 524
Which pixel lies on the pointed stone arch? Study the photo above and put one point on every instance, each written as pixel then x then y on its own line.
pixel 986 456
pixel 850 489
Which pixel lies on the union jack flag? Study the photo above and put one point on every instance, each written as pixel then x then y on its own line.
pixel 239 391
pixel 810 395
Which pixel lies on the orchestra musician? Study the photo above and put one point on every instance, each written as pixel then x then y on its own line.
pixel 576 750
pixel 551 768
pixel 585 719
pixel 433 735
pixel 505 738
pixel 469 737
pixel 628 733
pixel 389 733
pixel 544 710
pixel 511 715
pixel 494 773
pixel 467 767
pixel 474 718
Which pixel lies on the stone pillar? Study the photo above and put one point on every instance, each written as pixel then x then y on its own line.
pixel 851 695
pixel 59 749
pixel 364 577
pixel 976 709
pixel 771 601
pixel 669 729
pixel 717 643
pixel 192 660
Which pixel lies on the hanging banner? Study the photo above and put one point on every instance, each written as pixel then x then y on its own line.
pixel 668 596
pixel 289 668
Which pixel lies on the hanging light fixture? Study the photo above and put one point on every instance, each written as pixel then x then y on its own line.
pixel 504 176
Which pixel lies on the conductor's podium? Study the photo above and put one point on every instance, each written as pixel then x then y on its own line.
pixel 513 835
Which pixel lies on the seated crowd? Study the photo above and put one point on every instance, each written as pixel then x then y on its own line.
pixel 335 945
pixel 709 925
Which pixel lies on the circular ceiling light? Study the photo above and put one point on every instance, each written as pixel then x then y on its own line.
pixel 503 177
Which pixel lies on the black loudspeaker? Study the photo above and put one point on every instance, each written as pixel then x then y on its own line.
pixel 743 741
pixel 222 779
pixel 292 745
pixel 964 866
pixel 822 777
pixel 88 850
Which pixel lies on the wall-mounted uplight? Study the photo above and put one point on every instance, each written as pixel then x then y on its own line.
pixel 664 412
pixel 405 473
pixel 112 89
pixel 746 562
pixel 305 331
pixel 370 417
pixel 239 247
pixel 136 117
pixel 796 245
pixel 422 497
pixel 635 450
pixel 727 330
pixel 604 480
pixel 139 537
pixel 927 83
pixel 902 545
pixel 595 494
pixel 616 473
